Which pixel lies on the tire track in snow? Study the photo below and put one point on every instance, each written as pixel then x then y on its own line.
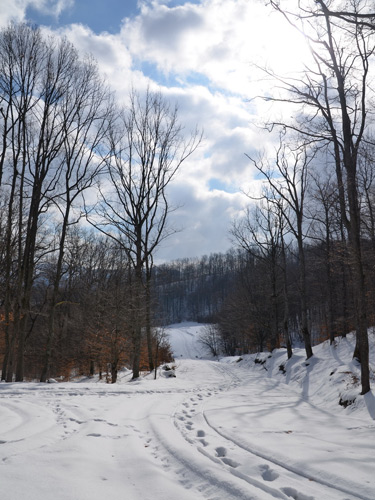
pixel 185 421
pixel 277 465
pixel 287 482
pixel 188 419
pixel 208 479
pixel 25 428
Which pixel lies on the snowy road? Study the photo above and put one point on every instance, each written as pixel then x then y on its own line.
pixel 218 431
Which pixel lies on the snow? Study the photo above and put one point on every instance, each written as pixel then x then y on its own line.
pixel 221 430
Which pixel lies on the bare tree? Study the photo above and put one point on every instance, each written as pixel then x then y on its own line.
pixel 52 121
pixel 27 94
pixel 86 112
pixel 334 98
pixel 324 223
pixel 280 210
pixel 163 353
pixel 210 339
pixel 258 233
pixel 147 148
pixel 287 178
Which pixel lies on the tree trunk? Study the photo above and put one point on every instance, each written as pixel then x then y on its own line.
pixel 329 285
pixel 302 281
pixel 148 318
pixel 362 350
pixel 286 298
pixel 114 372
pixel 138 317
pixel 54 296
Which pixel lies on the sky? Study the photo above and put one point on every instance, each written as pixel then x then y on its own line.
pixel 202 55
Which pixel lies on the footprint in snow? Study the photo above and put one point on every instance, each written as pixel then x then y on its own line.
pixel 221 452
pixel 296 495
pixel 200 434
pixel 76 421
pixel 230 462
pixel 268 474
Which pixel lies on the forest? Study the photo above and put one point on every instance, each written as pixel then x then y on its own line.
pixel 84 208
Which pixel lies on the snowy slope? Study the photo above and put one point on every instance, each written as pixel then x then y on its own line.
pixel 184 340
pixel 219 431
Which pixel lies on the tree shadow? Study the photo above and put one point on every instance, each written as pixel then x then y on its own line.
pixel 370 404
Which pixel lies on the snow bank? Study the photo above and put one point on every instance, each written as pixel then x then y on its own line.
pixel 331 378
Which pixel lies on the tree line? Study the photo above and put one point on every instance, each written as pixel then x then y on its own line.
pixel 70 152
pixel 251 295
pixel 331 101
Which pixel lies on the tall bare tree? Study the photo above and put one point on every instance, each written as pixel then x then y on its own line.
pixel 23 54
pixel 333 97
pixel 147 148
pixel 258 233
pixel 53 116
pixel 287 177
pixel 86 112
pixel 324 225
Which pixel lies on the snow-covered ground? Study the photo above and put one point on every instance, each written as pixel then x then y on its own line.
pixel 224 430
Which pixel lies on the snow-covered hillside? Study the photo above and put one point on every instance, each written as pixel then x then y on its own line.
pixel 233 429
pixel 184 340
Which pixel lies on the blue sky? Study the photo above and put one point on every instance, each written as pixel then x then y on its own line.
pixel 202 55
pixel 98 15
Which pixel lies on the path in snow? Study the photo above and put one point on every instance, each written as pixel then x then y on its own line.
pixel 184 340
pixel 216 432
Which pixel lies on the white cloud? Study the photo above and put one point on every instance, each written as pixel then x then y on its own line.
pixel 111 54
pixel 203 218
pixel 51 7
pixel 219 39
pixel 228 135
pixel 12 10
pixel 209 49
pixel 15 10
pixel 191 38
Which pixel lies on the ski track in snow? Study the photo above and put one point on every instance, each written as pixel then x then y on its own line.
pixel 171 439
